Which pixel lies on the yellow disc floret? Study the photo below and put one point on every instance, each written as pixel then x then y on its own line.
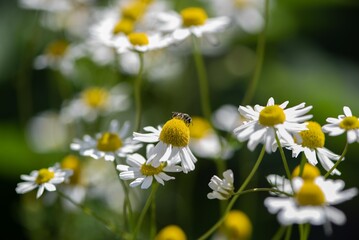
pixel 193 16
pixel 57 48
pixel 310 194
pixel 95 97
pixel 313 137
pixel 309 173
pixel 349 123
pixel 237 225
pixel 124 26
pixel 271 116
pixel 72 162
pixel 109 142
pixel 149 170
pixel 175 132
pixel 199 128
pixel 171 232
pixel 139 39
pixel 133 11
pixel 44 176
pixel 241 3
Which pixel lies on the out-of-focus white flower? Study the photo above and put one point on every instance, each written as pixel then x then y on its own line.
pixel 107 145
pixel 46 5
pixel 222 188
pixel 264 122
pixel 45 178
pixel 311 143
pixel 344 123
pixel 144 173
pixel 46 133
pixel 311 203
pixel 247 14
pixel 227 118
pixel 94 102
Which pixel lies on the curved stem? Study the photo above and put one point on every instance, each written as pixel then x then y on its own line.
pixel 284 159
pixel 89 212
pixel 278 235
pixel 235 197
pixel 150 198
pixel 260 57
pixel 138 83
pixel 202 78
pixel 339 161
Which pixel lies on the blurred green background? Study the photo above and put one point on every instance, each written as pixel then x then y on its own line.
pixel 312 56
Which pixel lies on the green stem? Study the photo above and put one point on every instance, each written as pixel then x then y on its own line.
pixel 260 57
pixel 202 78
pixel 339 161
pixel 153 219
pixel 89 212
pixel 288 233
pixel 278 235
pixel 302 164
pixel 127 207
pixel 306 230
pixel 284 159
pixel 150 198
pixel 235 197
pixel 301 232
pixel 138 83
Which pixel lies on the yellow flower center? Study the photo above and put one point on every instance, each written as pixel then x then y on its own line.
pixel 109 142
pixel 313 137
pixel 57 48
pixel 241 3
pixel 124 26
pixel 149 170
pixel 199 128
pixel 310 194
pixel 271 116
pixel 95 97
pixel 171 232
pixel 139 39
pixel 237 225
pixel 44 175
pixel 72 162
pixel 349 123
pixel 175 132
pixel 193 16
pixel 309 173
pixel 134 11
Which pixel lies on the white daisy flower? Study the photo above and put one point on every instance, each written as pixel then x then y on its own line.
pixel 144 173
pixel 312 202
pixel 263 122
pixel 43 179
pixel 192 20
pixel 108 144
pixel 173 139
pixel 46 5
pixel 141 42
pixel 205 142
pixel 311 143
pixel 93 102
pixel 222 188
pixel 247 14
pixel 344 123
pixel 227 118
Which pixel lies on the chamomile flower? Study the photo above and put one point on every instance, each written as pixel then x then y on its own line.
pixel 46 5
pixel 344 123
pixel 93 102
pixel 222 188
pixel 171 232
pixel 108 144
pixel 43 179
pixel 141 42
pixel 236 225
pixel 227 118
pixel 312 202
pixel 144 173
pixel 264 122
pixel 205 142
pixel 247 14
pixel 311 143
pixel 190 21
pixel 172 140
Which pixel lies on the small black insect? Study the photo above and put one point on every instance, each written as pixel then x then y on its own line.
pixel 183 116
